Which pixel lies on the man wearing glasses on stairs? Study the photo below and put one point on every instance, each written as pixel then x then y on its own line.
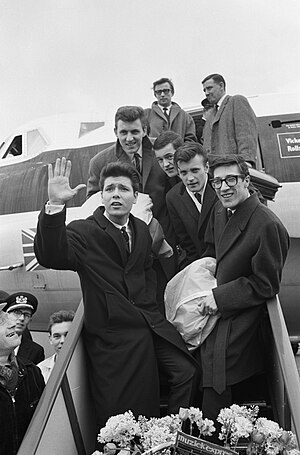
pixel 21 306
pixel 250 245
pixel 166 115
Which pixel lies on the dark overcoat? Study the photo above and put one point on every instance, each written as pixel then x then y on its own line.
pixel 15 416
pixel 31 351
pixel 190 225
pixel 120 310
pixel 233 130
pixel 250 250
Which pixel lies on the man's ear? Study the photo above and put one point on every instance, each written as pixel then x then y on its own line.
pixel 50 339
pixel 136 193
pixel 247 180
pixel 115 131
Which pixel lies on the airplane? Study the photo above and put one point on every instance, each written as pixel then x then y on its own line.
pixel 24 156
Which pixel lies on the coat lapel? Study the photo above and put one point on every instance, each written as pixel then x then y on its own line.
pixel 121 155
pixel 147 159
pixel 221 109
pixel 235 226
pixel 208 200
pixel 189 204
pixel 173 113
pixel 112 231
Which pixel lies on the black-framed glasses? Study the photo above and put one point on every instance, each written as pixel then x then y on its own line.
pixel 230 180
pixel 18 313
pixel 166 91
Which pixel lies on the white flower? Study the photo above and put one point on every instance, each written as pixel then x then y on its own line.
pixel 120 429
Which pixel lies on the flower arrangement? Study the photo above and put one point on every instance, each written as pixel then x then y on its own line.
pixel 124 432
pixel 264 436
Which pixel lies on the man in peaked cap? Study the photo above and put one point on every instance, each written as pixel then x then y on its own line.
pixel 21 306
pixel 21 385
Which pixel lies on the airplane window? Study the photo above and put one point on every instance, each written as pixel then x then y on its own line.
pixel 15 148
pixel 87 127
pixel 36 143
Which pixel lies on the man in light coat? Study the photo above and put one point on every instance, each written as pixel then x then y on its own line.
pixel 234 126
pixel 166 115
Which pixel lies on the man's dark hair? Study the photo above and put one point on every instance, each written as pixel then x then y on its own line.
pixel 228 160
pixel 164 80
pixel 120 169
pixel 216 78
pixel 130 114
pixel 166 138
pixel 188 151
pixel 59 317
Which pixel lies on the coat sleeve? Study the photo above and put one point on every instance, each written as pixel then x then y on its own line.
pixel 190 131
pixel 264 281
pixel 56 246
pixel 245 126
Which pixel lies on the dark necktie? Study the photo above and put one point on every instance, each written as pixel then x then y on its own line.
pixel 166 113
pixel 126 238
pixel 198 197
pixel 137 163
pixel 229 214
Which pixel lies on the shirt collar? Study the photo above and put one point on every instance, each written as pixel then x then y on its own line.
pixel 165 107
pixel 118 226
pixel 221 101
pixel 201 192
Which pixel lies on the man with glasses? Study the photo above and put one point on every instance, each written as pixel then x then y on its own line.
pixel 21 306
pixel 165 114
pixel 250 245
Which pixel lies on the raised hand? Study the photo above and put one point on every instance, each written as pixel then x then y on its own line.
pixel 59 190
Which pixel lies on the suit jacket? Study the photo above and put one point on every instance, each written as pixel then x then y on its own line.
pixel 190 225
pixel 29 350
pixel 180 122
pixel 250 250
pixel 120 310
pixel 233 130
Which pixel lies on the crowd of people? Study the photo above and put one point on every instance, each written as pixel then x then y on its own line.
pixel 199 185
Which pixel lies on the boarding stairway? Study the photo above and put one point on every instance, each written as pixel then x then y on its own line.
pixel 64 422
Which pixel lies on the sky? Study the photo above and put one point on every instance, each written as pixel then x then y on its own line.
pixel 61 56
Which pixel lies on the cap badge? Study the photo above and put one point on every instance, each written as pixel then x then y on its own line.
pixel 20 299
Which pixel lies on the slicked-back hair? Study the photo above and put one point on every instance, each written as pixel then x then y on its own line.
pixel 188 151
pixel 130 114
pixel 120 169
pixel 60 316
pixel 164 80
pixel 216 161
pixel 217 78
pixel 166 138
